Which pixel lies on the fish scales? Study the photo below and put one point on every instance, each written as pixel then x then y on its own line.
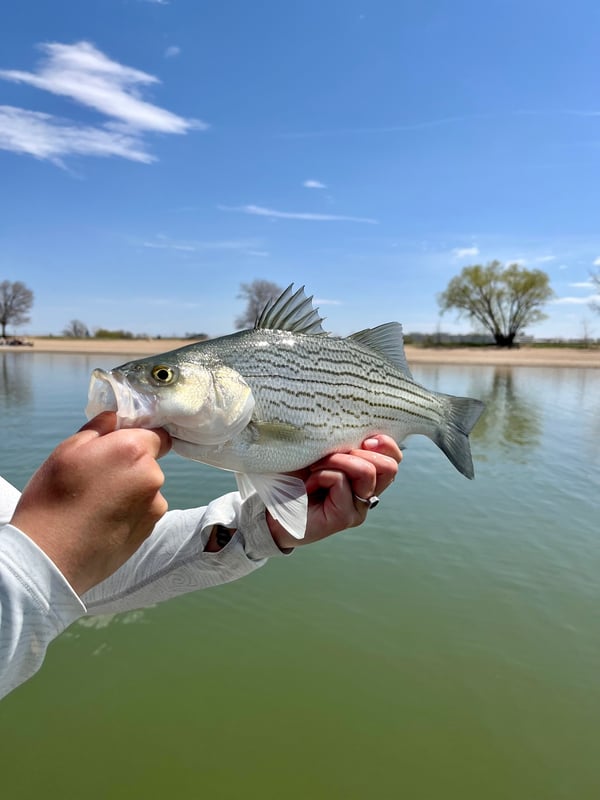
pixel 306 359
pixel 326 364
pixel 277 398
pixel 357 392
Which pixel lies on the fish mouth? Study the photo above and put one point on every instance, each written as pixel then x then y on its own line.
pixel 108 391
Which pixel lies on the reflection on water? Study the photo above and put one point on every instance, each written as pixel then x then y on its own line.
pixel 509 419
pixel 511 425
pixel 588 402
pixel 15 380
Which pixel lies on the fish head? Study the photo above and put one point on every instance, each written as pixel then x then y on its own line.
pixel 198 403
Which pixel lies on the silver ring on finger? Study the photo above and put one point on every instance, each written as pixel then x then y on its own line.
pixel 370 502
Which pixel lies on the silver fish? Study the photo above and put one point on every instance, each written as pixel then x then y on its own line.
pixel 278 397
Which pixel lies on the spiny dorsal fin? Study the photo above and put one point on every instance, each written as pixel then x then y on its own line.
pixel 291 311
pixel 387 340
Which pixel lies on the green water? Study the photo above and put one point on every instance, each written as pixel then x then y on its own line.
pixel 449 648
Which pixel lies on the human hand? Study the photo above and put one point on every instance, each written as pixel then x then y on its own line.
pixel 95 499
pixel 334 483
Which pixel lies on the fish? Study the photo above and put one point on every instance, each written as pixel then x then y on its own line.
pixel 273 399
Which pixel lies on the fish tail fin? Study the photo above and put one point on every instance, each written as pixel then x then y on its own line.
pixel 453 437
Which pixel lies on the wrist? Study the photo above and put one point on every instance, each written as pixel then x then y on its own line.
pixel 220 536
pixel 282 538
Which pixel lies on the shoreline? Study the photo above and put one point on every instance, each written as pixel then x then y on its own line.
pixel 475 356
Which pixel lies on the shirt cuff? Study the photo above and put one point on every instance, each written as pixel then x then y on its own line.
pixel 248 519
pixel 258 540
pixel 39 576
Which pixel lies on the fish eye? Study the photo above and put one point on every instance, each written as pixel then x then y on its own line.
pixel 164 374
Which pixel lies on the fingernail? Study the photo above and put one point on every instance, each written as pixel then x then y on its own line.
pixel 371 444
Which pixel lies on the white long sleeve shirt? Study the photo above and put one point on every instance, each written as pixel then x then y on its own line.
pixel 37 603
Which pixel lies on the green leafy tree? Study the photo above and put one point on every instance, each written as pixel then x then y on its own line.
pixel 16 300
pixel 257 294
pixel 501 300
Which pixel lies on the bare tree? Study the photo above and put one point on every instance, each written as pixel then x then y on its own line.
pixel 586 331
pixel 596 281
pixel 257 294
pixel 15 301
pixel 76 329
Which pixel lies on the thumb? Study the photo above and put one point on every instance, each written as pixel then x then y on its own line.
pixel 105 422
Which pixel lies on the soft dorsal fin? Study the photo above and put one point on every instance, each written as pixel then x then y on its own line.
pixel 291 311
pixel 387 340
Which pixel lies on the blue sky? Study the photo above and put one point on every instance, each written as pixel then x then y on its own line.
pixel 155 155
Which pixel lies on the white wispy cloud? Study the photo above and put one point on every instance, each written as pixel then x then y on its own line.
pixel 88 77
pixel 46 137
pixel 465 252
pixel 597 262
pixel 186 248
pixel 172 51
pixel 260 211
pixel 576 301
pixel 312 184
pixel 83 73
pixel 582 285
pixel 544 259
pixel 322 301
pixel 419 125
pixel 409 126
pixel 161 242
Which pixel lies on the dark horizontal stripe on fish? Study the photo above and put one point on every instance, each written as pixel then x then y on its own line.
pixel 364 414
pixel 384 397
pixel 363 405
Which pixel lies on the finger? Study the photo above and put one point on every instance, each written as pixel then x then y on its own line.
pixel 360 472
pixel 100 425
pixel 341 508
pixel 159 507
pixel 371 448
pixel 164 441
pixel 155 441
pixel 384 445
pixel 386 468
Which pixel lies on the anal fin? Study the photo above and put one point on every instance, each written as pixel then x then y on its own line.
pixel 283 495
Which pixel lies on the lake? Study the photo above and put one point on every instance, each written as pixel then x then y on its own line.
pixel 448 648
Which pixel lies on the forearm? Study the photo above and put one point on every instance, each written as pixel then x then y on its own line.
pixel 36 605
pixel 174 560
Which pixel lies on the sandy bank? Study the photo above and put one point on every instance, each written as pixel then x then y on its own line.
pixel 524 356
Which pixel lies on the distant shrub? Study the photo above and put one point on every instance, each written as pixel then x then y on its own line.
pixel 103 333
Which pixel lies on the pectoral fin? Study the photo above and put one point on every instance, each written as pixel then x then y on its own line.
pixel 276 431
pixel 283 495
